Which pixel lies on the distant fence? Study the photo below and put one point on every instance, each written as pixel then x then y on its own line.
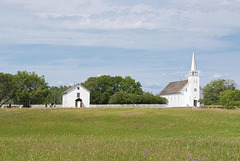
pixel 131 105
pixel 95 106
pixel 100 106
pixel 32 106
pixel 11 106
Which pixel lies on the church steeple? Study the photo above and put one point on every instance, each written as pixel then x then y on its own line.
pixel 194 84
pixel 193 70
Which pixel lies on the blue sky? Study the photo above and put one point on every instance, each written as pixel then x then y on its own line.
pixel 152 41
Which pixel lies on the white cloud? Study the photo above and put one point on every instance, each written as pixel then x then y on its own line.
pixel 59 82
pixel 109 23
pixel 152 84
pixel 227 76
pixel 168 25
pixel 217 75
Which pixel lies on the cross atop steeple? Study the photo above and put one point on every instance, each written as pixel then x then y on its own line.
pixel 193 70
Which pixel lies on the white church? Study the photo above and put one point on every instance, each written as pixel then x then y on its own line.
pixel 76 96
pixel 184 93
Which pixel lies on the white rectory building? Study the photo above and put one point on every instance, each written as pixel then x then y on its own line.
pixel 76 96
pixel 184 93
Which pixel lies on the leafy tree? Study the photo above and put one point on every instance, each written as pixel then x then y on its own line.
pixel 31 89
pixel 230 98
pixel 131 98
pixel 105 86
pixel 55 94
pixel 129 85
pixel 7 87
pixel 124 98
pixel 211 91
pixel 149 98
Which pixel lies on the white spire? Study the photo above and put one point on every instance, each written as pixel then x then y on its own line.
pixel 194 65
pixel 193 70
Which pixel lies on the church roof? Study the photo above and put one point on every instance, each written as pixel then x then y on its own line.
pixel 174 87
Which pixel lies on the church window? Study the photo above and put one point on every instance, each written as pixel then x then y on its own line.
pixel 78 88
pixel 78 95
pixel 195 89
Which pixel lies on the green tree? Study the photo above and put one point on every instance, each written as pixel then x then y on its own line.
pixel 31 89
pixel 129 85
pixel 230 98
pixel 124 98
pixel 55 94
pixel 7 87
pixel 149 98
pixel 105 86
pixel 211 91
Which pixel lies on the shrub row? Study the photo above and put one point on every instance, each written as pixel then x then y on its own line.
pixel 130 98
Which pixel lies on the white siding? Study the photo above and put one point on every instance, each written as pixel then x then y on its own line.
pixel 68 98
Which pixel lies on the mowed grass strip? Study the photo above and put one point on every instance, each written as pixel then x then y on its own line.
pixel 119 134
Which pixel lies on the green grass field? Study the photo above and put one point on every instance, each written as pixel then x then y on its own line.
pixel 119 134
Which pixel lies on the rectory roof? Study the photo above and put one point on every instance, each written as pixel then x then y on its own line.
pixel 74 87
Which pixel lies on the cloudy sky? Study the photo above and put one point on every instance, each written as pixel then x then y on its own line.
pixel 152 41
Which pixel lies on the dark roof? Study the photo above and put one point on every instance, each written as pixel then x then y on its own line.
pixel 174 87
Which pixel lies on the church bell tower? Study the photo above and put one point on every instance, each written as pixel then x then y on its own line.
pixel 194 84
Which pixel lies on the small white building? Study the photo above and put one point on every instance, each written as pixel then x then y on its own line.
pixel 184 93
pixel 76 96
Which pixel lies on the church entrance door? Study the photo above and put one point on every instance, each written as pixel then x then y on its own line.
pixel 195 103
pixel 78 103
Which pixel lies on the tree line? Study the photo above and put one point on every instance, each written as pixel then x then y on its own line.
pixel 221 92
pixel 118 90
pixel 28 88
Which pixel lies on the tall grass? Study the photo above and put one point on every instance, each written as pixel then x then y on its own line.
pixel 119 134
